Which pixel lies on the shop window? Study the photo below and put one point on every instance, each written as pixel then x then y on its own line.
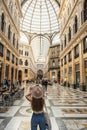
pixel 8 55
pixel 1 49
pixel 9 32
pixel 77 70
pixel 85 10
pixel 85 45
pixel 2 22
pixel 7 71
pixel 76 51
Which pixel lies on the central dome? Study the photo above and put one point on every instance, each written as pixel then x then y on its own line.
pixel 40 16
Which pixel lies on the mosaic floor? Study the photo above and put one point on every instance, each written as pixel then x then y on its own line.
pixel 67 108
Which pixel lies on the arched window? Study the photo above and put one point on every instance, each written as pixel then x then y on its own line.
pixel 14 40
pixel 69 34
pixel 76 24
pixel 2 22
pixel 85 10
pixel 9 32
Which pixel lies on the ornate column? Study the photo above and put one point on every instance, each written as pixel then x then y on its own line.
pixel 82 75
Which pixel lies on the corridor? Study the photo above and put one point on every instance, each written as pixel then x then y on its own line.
pixel 67 108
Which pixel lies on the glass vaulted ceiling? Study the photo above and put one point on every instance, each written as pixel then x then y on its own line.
pixel 40 16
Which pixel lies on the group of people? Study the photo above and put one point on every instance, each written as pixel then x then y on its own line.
pixel 36 98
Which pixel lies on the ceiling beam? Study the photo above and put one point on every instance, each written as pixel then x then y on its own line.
pixel 23 2
pixel 57 1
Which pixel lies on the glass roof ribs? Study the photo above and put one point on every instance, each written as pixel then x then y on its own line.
pixel 42 13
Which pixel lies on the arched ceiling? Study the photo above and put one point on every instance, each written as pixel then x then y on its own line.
pixel 40 16
pixel 40 23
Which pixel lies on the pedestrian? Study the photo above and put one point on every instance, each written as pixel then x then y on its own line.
pixel 36 97
pixel 46 83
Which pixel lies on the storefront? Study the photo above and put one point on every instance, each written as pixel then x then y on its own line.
pixel 0 71
pixel 85 63
pixel 7 72
pixel 70 76
pixel 77 72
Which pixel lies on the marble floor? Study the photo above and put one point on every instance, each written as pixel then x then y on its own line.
pixel 67 108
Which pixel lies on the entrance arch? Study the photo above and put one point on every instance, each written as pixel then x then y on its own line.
pixel 39 74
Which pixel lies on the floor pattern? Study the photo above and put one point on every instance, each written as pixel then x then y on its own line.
pixel 67 108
